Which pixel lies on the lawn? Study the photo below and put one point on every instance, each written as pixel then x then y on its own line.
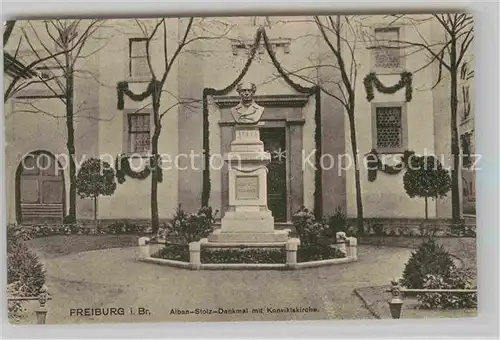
pixel 59 245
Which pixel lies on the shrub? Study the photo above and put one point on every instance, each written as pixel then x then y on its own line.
pixel 15 308
pixel 462 230
pixel 318 252
pixel 177 252
pixel 180 252
pixel 429 259
pixel 24 266
pixel 248 255
pixel 458 279
pixel 308 229
pixel 122 227
pixel 191 227
pixel 425 177
pixel 377 229
pixel 337 223
pixel 25 273
pixel 95 178
pixel 43 230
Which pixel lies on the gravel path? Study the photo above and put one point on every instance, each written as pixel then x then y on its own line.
pixel 113 278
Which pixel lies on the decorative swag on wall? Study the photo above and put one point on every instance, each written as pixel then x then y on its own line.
pixel 122 164
pixel 372 80
pixel 122 168
pixel 313 90
pixel 374 164
pixel 122 90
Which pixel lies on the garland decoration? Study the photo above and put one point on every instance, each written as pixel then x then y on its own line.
pixel 374 164
pixel 122 168
pixel 122 89
pixel 371 80
pixel 261 33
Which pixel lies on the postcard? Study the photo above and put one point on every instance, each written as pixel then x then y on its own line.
pixel 240 168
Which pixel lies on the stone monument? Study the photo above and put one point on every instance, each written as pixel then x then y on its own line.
pixel 248 219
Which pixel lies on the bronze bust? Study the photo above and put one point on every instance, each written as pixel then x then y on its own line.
pixel 247 111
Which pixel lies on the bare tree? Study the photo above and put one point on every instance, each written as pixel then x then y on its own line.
pixel 158 81
pixel 56 48
pixel 450 54
pixel 340 34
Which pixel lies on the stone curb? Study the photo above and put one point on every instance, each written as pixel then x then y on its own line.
pixel 366 304
pixel 248 266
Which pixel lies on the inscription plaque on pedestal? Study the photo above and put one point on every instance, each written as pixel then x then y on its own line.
pixel 247 187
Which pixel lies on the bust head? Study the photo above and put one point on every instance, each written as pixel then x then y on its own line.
pixel 246 91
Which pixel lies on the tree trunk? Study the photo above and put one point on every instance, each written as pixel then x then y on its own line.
pixel 426 211
pixel 455 148
pixel 9 26
pixel 359 202
pixel 70 144
pixel 95 211
pixel 155 220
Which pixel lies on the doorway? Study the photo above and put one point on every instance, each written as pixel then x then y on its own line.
pixel 274 140
pixel 40 189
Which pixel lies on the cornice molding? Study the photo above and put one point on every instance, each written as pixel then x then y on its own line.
pixel 288 121
pixel 291 100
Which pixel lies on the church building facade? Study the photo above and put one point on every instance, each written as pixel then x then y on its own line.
pixel 304 127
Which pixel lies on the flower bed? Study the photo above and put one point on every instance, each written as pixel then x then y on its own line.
pixel 306 253
pixel 243 255
pixel 43 230
pixel 176 252
pixel 431 266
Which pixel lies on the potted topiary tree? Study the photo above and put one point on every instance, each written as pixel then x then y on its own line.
pixel 95 178
pixel 425 177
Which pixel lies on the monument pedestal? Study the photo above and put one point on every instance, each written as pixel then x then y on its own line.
pixel 248 219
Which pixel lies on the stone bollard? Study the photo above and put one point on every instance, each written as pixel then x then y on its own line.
pixel 352 250
pixel 291 252
pixel 41 311
pixel 144 250
pixel 340 239
pixel 194 255
pixel 396 303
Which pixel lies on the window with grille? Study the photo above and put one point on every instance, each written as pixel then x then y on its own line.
pixel 386 52
pixel 139 130
pixel 138 60
pixel 467 152
pixel 389 127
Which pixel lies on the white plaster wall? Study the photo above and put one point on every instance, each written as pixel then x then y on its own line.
pixel 131 199
pixel 386 197
pixel 217 161
pixel 220 68
pixel 27 132
pixel 43 126
pixel 309 146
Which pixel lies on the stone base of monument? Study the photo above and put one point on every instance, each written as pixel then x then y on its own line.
pixel 248 227
pixel 242 238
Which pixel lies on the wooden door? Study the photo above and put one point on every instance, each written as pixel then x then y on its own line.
pixel 275 143
pixel 41 191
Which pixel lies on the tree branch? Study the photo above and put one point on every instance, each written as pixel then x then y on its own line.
pixel 178 103
pixel 465 45
pixel 9 26
pixel 177 51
